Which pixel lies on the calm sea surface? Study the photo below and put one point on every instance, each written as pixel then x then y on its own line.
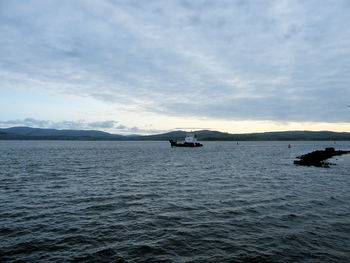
pixel 63 201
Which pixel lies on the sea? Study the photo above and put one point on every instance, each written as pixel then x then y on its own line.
pixel 112 201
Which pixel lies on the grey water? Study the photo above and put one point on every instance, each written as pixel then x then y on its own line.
pixel 71 201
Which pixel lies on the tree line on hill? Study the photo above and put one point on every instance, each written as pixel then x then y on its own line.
pixel 27 133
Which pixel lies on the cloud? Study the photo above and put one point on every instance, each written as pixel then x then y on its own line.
pixel 27 122
pixel 109 126
pixel 74 125
pixel 103 124
pixel 121 127
pixel 239 60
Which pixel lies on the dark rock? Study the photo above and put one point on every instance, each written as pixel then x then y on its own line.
pixel 317 158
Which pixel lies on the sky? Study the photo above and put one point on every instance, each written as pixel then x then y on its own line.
pixel 145 67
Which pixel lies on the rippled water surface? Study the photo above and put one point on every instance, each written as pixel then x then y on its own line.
pixel 64 201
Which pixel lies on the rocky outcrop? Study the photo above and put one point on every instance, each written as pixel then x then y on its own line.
pixel 317 158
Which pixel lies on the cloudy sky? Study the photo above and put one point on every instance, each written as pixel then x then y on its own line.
pixel 153 66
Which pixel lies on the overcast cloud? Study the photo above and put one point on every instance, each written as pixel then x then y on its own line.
pixel 240 60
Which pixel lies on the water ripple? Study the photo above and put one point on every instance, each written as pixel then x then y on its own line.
pixel 147 202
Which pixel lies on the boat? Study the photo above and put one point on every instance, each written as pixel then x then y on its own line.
pixel 190 141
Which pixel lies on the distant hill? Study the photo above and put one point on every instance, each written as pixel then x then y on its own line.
pixel 206 135
pixel 27 133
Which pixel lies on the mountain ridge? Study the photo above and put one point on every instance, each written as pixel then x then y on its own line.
pixel 29 133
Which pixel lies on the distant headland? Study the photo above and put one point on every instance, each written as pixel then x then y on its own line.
pixel 27 133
